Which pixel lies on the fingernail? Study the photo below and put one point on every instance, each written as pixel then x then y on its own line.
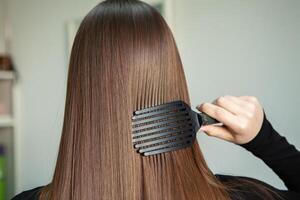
pixel 202 128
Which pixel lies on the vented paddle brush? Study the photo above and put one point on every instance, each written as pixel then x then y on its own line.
pixel 166 127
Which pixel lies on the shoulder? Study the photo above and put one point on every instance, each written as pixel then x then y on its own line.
pixel 232 178
pixel 244 182
pixel 246 187
pixel 31 194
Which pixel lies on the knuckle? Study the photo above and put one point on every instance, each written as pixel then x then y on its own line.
pixel 219 113
pixel 204 106
pixel 242 125
pixel 252 107
pixel 227 96
pixel 253 99
pixel 220 100
pixel 251 115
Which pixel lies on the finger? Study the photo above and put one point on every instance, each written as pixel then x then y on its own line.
pixel 241 102
pixel 219 113
pixel 251 99
pixel 252 103
pixel 218 132
pixel 245 105
pixel 230 104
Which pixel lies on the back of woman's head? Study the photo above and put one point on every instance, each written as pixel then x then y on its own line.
pixel 123 58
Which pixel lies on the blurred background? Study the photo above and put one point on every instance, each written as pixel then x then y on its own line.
pixel 235 47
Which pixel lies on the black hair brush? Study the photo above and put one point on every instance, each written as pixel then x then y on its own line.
pixel 166 127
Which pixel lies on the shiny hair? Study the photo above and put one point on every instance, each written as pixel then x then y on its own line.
pixel 124 58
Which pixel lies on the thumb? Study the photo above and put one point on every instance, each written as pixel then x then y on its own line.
pixel 218 132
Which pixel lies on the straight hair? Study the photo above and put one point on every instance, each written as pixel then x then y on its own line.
pixel 124 58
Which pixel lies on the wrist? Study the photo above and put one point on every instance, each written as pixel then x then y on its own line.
pixel 260 137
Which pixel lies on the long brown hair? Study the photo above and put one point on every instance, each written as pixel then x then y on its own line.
pixel 124 58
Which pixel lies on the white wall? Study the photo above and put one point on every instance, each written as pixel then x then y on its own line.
pixel 1 26
pixel 238 47
pixel 249 47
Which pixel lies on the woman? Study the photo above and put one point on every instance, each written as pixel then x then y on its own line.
pixel 124 58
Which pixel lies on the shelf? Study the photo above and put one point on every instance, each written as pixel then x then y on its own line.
pixel 6 121
pixel 6 75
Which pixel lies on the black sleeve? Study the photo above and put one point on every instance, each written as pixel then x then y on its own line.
pixel 281 156
pixel 31 194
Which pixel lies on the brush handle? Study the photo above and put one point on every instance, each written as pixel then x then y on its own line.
pixel 206 120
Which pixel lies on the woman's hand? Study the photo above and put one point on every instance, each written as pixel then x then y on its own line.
pixel 242 118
